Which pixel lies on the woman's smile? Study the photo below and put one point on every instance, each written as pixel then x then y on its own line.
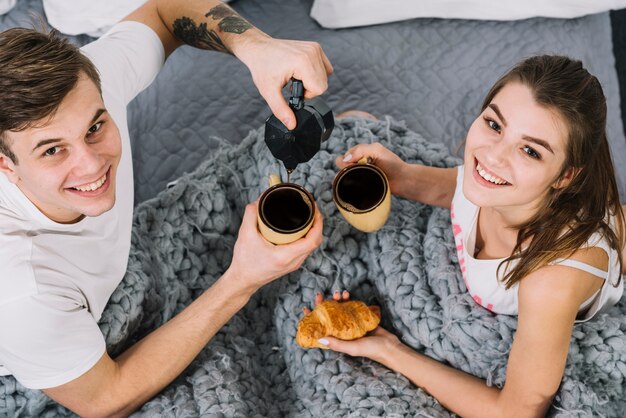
pixel 487 177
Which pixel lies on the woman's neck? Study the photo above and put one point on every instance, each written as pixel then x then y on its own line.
pixel 496 234
pixel 510 217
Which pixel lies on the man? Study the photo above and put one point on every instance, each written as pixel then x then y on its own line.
pixel 66 200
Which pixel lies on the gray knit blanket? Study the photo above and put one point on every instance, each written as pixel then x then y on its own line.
pixel 182 242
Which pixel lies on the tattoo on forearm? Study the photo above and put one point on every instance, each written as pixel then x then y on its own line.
pixel 187 31
pixel 234 24
pixel 229 20
pixel 202 37
pixel 220 12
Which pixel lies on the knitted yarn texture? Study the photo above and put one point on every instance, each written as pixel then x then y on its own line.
pixel 182 242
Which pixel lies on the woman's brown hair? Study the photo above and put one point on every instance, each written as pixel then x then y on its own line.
pixel 570 215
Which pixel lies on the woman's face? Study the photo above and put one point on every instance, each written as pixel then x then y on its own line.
pixel 514 153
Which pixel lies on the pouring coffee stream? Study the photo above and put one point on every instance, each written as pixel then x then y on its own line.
pixel 314 124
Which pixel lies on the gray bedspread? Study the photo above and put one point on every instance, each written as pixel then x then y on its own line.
pixel 182 242
pixel 431 74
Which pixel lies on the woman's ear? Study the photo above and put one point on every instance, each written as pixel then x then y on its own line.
pixel 566 179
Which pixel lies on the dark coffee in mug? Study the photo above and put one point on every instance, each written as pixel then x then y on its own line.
pixel 360 189
pixel 286 209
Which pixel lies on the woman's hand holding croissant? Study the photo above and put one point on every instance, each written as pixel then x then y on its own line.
pixel 373 345
pixel 319 298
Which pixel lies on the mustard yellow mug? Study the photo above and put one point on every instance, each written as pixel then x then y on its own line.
pixel 286 212
pixel 361 193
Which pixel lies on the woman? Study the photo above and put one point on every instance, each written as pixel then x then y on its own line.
pixel 538 227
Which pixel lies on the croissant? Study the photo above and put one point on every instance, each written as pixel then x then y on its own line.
pixel 344 320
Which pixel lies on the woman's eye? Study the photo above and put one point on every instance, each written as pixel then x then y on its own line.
pixel 531 152
pixel 95 128
pixel 51 151
pixel 494 125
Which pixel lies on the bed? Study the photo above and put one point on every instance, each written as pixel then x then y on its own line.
pixel 199 158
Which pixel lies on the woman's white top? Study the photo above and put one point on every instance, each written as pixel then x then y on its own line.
pixel 486 287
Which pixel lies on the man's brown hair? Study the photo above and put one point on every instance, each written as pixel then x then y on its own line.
pixel 37 71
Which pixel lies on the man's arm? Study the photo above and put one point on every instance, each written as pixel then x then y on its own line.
pixel 118 387
pixel 214 26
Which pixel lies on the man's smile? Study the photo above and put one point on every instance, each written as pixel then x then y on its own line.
pixel 93 188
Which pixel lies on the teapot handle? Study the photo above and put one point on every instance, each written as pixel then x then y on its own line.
pixel 296 101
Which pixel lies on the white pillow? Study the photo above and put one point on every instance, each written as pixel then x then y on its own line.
pixel 347 13
pixel 6 5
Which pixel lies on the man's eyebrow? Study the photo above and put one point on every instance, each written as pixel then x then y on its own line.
pixel 537 141
pixel 43 142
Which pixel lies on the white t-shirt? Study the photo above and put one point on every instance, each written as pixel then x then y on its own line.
pixel 55 279
pixel 481 275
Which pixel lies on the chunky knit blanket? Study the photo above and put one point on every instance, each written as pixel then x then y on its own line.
pixel 182 242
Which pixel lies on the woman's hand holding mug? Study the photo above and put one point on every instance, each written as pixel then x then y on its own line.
pixel 362 194
pixel 392 165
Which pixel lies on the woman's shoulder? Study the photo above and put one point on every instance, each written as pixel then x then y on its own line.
pixel 567 282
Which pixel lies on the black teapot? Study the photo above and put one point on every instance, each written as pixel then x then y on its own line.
pixel 314 124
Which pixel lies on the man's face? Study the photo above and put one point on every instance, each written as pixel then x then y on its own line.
pixel 66 165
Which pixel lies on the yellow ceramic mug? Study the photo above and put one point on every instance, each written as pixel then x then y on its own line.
pixel 361 193
pixel 286 212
